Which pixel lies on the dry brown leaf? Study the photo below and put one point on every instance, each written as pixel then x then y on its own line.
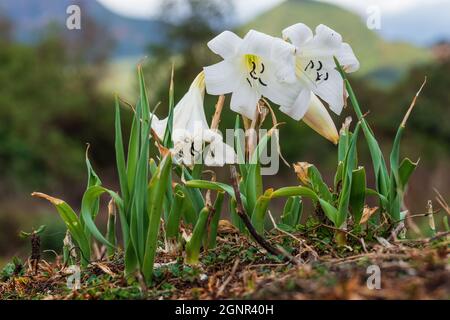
pixel 301 169
pixel 226 227
pixel 104 268
pixel 367 213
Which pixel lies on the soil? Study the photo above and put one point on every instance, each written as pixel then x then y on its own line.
pixel 238 269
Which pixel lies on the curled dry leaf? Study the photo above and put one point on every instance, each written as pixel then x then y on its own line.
pixel 53 200
pixel 367 213
pixel 301 169
pixel 163 151
pixel 346 125
pixel 104 268
pixel 225 227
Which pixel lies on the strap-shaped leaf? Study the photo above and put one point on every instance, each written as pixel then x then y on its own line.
pixel 156 190
pixel 405 171
pixel 259 213
pixel 295 191
pixel 90 199
pixel 292 212
pixel 212 231
pixel 358 193
pixel 330 211
pixel 72 222
pixel 194 245
pixel 210 185
pixel 120 155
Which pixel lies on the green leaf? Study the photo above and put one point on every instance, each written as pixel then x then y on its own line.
pixel 194 194
pixel 93 180
pixel 344 143
pixel 167 140
pixel 90 198
pixel 133 148
pixel 292 212
pixel 350 161
pixel 253 182
pixel 120 156
pixel 73 224
pixel 111 228
pixel 210 185
pixel 317 184
pixel 212 234
pixel 358 193
pixel 295 191
pixel 240 148
pixel 139 221
pixel 259 212
pixel 383 199
pixel 190 214
pixel 339 176
pixel 405 170
pixel 194 244
pixel 156 190
pixel 330 211
pixel 173 222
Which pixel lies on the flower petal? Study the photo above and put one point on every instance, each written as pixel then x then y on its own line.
pixel 222 77
pixel 159 126
pixel 257 43
pixel 283 57
pixel 244 100
pixel 332 91
pixel 325 43
pixel 219 153
pixel 225 44
pixel 298 34
pixel 318 118
pixel 327 37
pixel 347 58
pixel 300 106
pixel 276 91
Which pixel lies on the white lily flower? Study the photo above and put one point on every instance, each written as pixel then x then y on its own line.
pixel 318 118
pixel 191 130
pixel 315 67
pixel 258 65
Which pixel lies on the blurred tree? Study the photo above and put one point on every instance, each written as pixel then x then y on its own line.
pixel 427 124
pixel 189 25
pixel 49 108
pixel 5 29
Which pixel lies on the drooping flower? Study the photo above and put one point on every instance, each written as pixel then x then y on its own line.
pixel 318 119
pixel 255 66
pixel 191 132
pixel 315 67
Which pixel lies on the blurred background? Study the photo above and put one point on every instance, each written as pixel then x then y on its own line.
pixel 57 85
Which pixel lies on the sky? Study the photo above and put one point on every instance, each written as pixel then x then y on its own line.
pixel 418 21
pixel 249 8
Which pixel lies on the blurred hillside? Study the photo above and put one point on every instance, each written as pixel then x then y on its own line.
pixel 30 17
pixel 378 58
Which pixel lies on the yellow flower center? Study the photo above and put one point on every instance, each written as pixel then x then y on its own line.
pixel 255 68
pixel 251 62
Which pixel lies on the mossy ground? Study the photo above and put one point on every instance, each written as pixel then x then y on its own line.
pixel 238 269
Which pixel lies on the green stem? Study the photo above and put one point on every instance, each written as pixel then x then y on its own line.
pixel 173 222
pixel 194 245
pixel 212 234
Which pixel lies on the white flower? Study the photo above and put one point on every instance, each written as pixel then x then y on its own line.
pixel 318 118
pixel 258 65
pixel 191 130
pixel 315 67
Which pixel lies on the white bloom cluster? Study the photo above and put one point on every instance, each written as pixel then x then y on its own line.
pixel 293 72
